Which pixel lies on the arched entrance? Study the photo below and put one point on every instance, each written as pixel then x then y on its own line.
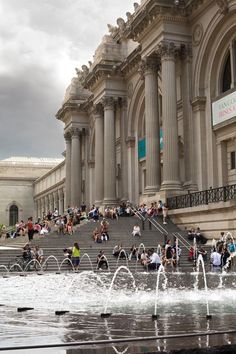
pixel 13 215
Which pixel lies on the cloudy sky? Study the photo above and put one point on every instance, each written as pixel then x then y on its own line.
pixel 41 42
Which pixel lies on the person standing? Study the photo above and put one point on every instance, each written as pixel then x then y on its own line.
pixel 75 257
pixel 216 258
pixel 164 213
pixel 30 228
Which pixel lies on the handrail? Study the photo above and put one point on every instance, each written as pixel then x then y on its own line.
pixel 184 242
pixel 181 239
pixel 161 229
pixel 137 213
pixel 205 197
pixel 157 226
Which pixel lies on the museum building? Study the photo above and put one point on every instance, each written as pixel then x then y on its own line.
pixel 152 116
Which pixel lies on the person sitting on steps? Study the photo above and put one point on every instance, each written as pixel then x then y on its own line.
pixel 136 230
pixel 102 261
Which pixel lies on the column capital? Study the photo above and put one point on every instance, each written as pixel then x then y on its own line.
pixel 75 132
pixel 130 141
pixel 167 50
pixel 185 51
pixel 199 103
pixel 97 110
pixel 67 136
pixel 123 102
pixel 60 193
pixel 150 65
pixel 108 102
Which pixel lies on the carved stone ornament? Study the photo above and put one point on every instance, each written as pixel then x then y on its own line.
pixel 97 110
pixel 197 34
pixel 223 5
pixel 121 24
pixel 75 132
pixel 67 136
pixel 130 90
pixel 113 30
pixel 108 102
pixel 185 51
pixel 148 65
pixel 166 50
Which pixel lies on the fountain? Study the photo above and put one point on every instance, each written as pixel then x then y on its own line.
pixel 200 260
pixel 122 252
pixel 89 297
pixel 105 314
pixel 160 269
pixel 86 255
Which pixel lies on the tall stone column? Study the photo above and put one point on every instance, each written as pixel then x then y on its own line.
pixel 99 155
pixel 171 180
pixel 222 163
pixel 51 202
pixel 47 206
pixel 42 206
pixel 188 131
pixel 130 142
pixel 67 137
pixel 109 152
pixel 200 139
pixel 124 152
pixel 39 213
pixel 61 201
pixel 75 167
pixel 36 203
pixel 152 126
pixel 233 63
pixel 55 200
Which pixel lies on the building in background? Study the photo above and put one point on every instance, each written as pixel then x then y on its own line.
pixel 17 177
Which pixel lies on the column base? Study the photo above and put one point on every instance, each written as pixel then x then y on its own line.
pixel 110 202
pixel 171 186
pixel 98 203
pixel 151 190
pixel 190 186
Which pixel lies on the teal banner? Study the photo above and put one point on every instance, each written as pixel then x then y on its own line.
pixel 142 146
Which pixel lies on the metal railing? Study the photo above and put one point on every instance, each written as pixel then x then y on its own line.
pixel 182 240
pixel 212 195
pixel 160 228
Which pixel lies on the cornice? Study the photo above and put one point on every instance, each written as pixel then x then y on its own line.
pixel 199 103
pixel 52 189
pixel 132 62
pixel 154 11
pixel 71 107
pixel 100 72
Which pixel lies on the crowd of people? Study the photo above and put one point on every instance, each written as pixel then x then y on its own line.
pixel 168 254
pixel 151 259
pixel 156 209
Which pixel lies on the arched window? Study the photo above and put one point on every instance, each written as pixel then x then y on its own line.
pixel 13 215
pixel 226 78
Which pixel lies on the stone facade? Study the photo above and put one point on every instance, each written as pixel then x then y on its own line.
pixel 17 177
pixel 154 77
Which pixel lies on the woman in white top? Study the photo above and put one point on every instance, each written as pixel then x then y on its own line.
pixel 136 230
pixel 164 213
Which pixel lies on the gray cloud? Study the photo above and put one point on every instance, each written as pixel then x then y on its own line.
pixel 41 44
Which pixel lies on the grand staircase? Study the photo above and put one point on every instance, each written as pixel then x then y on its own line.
pixel 153 233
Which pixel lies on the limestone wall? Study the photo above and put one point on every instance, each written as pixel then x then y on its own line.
pixel 18 192
pixel 212 218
